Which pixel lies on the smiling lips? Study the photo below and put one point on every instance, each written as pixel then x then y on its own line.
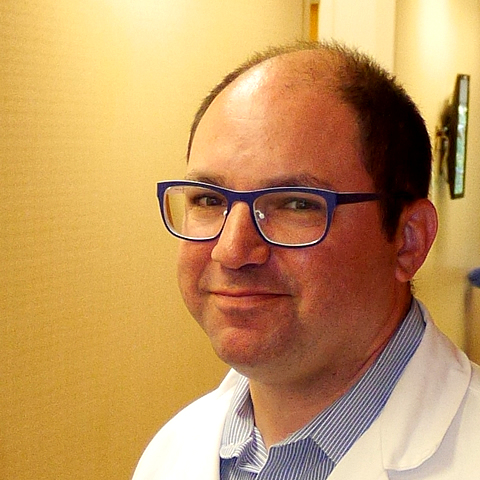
pixel 243 293
pixel 244 298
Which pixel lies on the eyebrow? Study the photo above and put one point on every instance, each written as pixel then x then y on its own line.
pixel 218 180
pixel 300 180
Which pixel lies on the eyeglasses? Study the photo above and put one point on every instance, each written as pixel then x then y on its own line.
pixel 284 216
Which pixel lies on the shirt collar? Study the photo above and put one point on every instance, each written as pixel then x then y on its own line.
pixel 239 423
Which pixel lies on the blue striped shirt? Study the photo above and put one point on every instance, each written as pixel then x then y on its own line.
pixel 312 452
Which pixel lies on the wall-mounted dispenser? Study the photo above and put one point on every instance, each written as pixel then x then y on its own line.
pixel 474 277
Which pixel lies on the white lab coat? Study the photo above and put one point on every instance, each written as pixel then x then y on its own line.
pixel 429 428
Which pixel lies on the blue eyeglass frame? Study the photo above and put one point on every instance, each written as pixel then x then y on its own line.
pixel 332 198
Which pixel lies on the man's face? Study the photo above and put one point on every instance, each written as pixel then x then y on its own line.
pixel 288 314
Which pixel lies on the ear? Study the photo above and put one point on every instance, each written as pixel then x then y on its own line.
pixel 415 234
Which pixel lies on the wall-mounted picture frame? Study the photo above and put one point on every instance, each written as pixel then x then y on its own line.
pixel 455 126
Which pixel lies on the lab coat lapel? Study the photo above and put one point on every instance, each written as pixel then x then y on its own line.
pixel 415 420
pixel 424 402
pixel 204 464
pixel 364 460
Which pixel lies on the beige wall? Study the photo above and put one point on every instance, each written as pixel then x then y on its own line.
pixel 367 24
pixel 435 40
pixel 96 349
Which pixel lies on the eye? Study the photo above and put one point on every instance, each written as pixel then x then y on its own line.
pixel 302 204
pixel 204 199
pixel 207 201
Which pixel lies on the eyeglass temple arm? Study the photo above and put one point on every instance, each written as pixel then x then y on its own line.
pixel 344 198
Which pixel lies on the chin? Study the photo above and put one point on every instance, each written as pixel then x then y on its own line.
pixel 252 356
pixel 239 349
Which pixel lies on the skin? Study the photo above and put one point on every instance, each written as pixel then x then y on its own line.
pixel 301 324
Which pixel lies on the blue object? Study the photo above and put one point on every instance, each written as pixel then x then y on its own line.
pixel 474 277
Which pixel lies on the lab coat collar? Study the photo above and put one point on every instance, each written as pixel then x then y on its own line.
pixel 418 414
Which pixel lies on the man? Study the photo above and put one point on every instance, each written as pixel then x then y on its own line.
pixel 304 217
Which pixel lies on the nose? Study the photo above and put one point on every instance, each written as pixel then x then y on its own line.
pixel 240 244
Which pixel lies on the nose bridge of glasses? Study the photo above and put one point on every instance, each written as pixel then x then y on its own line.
pixel 235 199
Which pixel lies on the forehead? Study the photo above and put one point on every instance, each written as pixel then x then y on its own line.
pixel 278 120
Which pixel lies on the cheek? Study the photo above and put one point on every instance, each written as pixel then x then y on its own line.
pixel 338 273
pixel 192 258
pixel 308 272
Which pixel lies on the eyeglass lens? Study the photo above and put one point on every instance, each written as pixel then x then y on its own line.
pixel 287 217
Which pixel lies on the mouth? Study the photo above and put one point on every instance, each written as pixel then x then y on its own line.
pixel 241 293
pixel 244 299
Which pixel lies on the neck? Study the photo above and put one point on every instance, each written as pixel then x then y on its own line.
pixel 279 413
pixel 282 408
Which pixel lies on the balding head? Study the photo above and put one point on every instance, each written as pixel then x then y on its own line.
pixel 394 141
